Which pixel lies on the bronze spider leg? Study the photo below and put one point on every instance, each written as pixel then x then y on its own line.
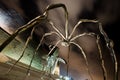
pixel 109 44
pixel 101 58
pixel 79 22
pixel 83 53
pixel 90 34
pixel 25 27
pixel 85 57
pixel 100 54
pixel 26 43
pixel 45 35
pixel 48 34
pixel 66 14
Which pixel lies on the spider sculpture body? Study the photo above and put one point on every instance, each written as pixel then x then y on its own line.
pixel 65 40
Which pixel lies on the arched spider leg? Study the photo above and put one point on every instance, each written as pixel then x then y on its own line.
pixel 91 34
pixel 60 35
pixel 54 27
pixel 28 71
pixel 109 44
pixel 100 54
pixel 83 34
pixel 25 27
pixel 48 34
pixel 85 57
pixel 50 7
pixel 54 47
pixel 79 22
pixel 101 58
pixel 23 52
pixel 45 35
pixel 32 23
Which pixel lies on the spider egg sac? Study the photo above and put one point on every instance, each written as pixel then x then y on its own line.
pixel 64 44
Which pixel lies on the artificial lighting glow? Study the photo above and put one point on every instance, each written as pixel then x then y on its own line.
pixel 64 78
pixel 4 21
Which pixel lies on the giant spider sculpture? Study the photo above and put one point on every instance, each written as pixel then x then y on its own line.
pixel 65 40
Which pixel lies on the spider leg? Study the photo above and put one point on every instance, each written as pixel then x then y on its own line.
pixel 83 34
pixel 109 44
pixel 28 71
pixel 101 57
pixel 53 6
pixel 46 34
pixel 32 23
pixel 85 57
pixel 50 7
pixel 25 27
pixel 53 26
pixel 54 47
pixel 79 22
pixel 23 52
pixel 102 60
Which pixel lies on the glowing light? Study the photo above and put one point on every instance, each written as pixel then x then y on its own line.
pixel 4 21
